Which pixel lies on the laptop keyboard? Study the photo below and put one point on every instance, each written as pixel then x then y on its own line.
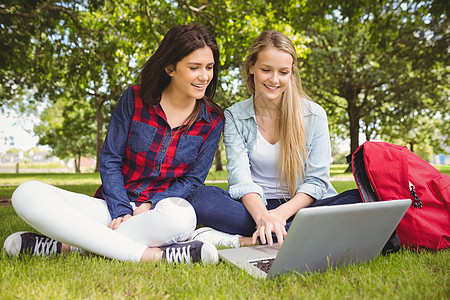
pixel 263 264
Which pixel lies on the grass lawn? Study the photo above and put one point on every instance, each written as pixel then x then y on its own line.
pixel 403 275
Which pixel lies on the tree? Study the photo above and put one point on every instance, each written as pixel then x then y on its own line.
pixel 92 49
pixel 86 52
pixel 67 131
pixel 27 34
pixel 368 63
pixel 424 128
pixel 368 55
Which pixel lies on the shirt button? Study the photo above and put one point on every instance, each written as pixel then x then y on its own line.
pixel 157 167
pixel 163 150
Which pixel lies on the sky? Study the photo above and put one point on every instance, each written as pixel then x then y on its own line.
pixel 19 127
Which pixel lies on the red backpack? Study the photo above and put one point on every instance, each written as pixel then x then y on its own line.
pixel 386 171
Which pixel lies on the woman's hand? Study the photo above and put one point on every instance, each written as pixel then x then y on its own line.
pixel 268 224
pixel 142 208
pixel 117 221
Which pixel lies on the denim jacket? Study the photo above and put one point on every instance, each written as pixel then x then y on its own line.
pixel 240 136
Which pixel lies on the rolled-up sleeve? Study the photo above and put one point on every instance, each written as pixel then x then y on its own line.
pixel 238 165
pixel 316 182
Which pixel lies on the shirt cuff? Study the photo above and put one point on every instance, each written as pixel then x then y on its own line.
pixel 122 211
pixel 237 191
pixel 314 191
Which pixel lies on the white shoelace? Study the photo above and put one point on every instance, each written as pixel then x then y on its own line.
pixel 178 254
pixel 45 246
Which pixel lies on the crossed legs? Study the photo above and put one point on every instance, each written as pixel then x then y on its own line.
pixel 82 221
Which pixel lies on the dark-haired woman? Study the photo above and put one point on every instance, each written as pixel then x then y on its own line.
pixel 159 146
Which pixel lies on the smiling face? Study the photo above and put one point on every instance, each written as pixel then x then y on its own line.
pixel 272 72
pixel 192 74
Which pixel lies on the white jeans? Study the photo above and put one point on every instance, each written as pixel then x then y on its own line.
pixel 82 221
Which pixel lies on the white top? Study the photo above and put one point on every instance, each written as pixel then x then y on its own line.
pixel 239 139
pixel 264 167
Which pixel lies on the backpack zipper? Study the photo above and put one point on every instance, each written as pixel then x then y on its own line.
pixel 417 201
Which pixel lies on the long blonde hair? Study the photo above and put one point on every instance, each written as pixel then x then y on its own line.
pixel 293 155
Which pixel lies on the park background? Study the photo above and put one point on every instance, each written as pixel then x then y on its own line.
pixel 379 68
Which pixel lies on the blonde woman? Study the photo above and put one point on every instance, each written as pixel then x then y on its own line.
pixel 278 151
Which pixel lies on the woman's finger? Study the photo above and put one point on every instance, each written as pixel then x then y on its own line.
pixel 117 221
pixel 262 235
pixel 255 237
pixel 112 225
pixel 284 231
pixel 268 233
pixel 280 236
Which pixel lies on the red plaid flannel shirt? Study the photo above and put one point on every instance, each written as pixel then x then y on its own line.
pixel 155 161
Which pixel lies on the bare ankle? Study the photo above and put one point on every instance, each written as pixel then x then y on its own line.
pixel 151 254
pixel 65 248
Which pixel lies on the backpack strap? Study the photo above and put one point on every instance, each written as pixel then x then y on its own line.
pixel 368 195
pixel 360 175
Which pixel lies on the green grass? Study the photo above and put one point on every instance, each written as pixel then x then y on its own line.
pixel 217 175
pixel 90 188
pixel 403 275
pixel 444 169
pixel 35 165
pixel 87 183
pixel 51 178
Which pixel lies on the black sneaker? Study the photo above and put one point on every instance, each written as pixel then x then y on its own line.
pixel 192 251
pixel 31 243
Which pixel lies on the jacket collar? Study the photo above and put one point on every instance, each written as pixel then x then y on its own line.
pixel 203 113
pixel 247 109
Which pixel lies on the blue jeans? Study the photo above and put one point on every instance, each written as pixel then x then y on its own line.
pixel 215 208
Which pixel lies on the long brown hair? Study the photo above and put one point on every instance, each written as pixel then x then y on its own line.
pixel 179 41
pixel 293 155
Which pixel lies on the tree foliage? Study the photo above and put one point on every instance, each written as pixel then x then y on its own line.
pixel 377 67
pixel 30 32
pixel 366 56
pixel 67 127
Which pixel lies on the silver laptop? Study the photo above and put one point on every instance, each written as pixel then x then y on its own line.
pixel 324 237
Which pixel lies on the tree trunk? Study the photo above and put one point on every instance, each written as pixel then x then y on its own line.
pixel 77 163
pixel 218 157
pixel 99 119
pixel 353 116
